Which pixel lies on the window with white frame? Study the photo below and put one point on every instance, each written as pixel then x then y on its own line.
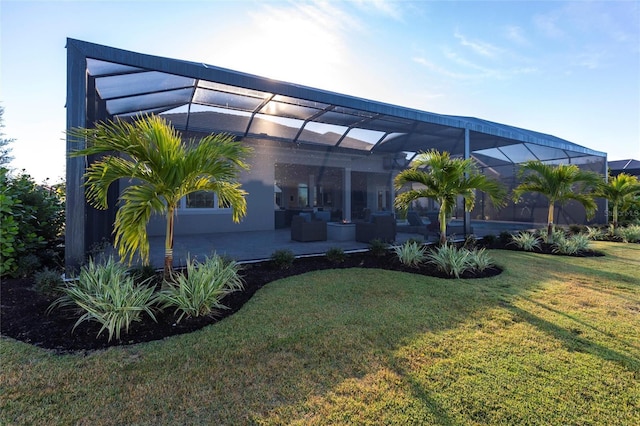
pixel 202 201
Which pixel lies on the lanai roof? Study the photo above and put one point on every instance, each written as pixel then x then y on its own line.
pixel 197 97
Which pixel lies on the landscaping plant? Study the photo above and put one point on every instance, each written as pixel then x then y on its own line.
pixel 200 289
pixel 450 260
pixel 480 260
pixel 283 259
pixel 411 254
pixel 163 169
pixel 622 192
pixel 106 293
pixel 444 179
pixel 335 255
pixel 559 183
pixel 377 247
pixel 525 241
pixel 629 234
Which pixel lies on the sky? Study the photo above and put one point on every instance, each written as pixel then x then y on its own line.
pixel 569 69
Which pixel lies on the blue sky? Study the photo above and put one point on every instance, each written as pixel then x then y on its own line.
pixel 570 69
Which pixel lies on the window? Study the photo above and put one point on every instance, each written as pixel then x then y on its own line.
pixel 202 201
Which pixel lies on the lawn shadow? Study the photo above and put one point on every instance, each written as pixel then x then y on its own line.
pixel 572 340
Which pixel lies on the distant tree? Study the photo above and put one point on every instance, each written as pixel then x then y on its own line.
pixel 163 169
pixel 559 183
pixel 621 191
pixel 443 179
pixel 5 149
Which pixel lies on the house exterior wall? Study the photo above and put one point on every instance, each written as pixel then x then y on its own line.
pixel 259 181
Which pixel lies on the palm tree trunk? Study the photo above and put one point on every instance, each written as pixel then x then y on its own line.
pixel 550 220
pixel 614 214
pixel 442 217
pixel 168 243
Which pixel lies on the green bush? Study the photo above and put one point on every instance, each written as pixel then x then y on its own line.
pixel 504 237
pixel 200 290
pixel 336 255
pixel 525 241
pixel 480 260
pixel 629 234
pixel 282 259
pixel 572 245
pixel 48 282
pixel 411 254
pixel 595 233
pixel 377 247
pixel 31 219
pixel 106 293
pixel 450 260
pixel 28 265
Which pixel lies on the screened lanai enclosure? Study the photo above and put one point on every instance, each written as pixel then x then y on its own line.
pixel 313 150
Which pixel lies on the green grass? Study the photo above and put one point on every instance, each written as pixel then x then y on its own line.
pixel 552 340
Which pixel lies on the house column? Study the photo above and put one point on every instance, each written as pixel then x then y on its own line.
pixel 347 195
pixel 467 155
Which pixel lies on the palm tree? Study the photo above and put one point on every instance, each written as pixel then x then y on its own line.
pixel 162 169
pixel 444 179
pixel 621 191
pixel 559 183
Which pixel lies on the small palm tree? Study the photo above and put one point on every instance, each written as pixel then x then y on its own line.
pixel 444 179
pixel 162 169
pixel 621 191
pixel 559 183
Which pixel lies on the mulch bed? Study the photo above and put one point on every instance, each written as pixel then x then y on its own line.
pixel 23 310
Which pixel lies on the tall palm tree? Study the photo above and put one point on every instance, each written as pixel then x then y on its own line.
pixel 444 179
pixel 162 169
pixel 559 183
pixel 621 191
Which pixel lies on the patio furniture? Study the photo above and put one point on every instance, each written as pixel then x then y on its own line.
pixel 339 231
pixel 308 230
pixel 381 227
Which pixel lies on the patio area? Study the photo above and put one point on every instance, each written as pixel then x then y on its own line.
pixel 250 246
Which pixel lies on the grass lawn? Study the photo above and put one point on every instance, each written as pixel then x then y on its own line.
pixel 552 340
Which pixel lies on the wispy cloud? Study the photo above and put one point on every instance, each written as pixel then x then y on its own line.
pixel 516 35
pixel 388 8
pixel 548 24
pixel 479 47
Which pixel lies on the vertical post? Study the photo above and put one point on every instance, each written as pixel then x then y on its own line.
pixel 347 194
pixel 467 155
pixel 76 117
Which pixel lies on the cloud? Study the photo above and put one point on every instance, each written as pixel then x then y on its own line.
pixel 479 47
pixel 548 25
pixel 388 8
pixel 515 35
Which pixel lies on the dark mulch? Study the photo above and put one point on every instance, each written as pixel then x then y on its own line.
pixel 24 317
pixel 23 310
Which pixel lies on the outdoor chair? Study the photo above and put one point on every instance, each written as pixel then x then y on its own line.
pixel 308 230
pixel 381 227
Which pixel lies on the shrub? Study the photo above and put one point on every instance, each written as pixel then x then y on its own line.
pixel 504 237
pixel 336 255
pixel 480 260
pixel 490 239
pixel 448 259
pixel 571 245
pixel 377 247
pixel 106 293
pixel 282 259
pixel 200 290
pixel 411 254
pixel 595 234
pixel 525 241
pixel 470 242
pixel 27 266
pixel 629 234
pixel 48 282
pixel 31 217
